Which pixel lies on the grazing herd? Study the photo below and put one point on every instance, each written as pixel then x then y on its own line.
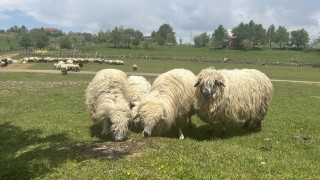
pixel 119 102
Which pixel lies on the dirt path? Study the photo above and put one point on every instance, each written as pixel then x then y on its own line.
pixel 19 67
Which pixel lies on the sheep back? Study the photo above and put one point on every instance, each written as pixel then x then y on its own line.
pixel 169 102
pixel 107 99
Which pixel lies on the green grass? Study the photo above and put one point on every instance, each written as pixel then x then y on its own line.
pixel 161 66
pixel 44 134
pixel 262 54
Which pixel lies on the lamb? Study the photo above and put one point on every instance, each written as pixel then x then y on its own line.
pixel 139 87
pixel 107 100
pixel 233 95
pixel 169 103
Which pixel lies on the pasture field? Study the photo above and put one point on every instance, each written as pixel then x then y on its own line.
pixel 261 53
pixel 45 132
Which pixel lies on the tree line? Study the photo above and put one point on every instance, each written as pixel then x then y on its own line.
pixel 247 35
pixel 244 36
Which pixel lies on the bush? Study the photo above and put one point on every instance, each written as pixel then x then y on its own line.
pixel 247 45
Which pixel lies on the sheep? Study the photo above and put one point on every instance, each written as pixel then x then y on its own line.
pixel 134 67
pixel 64 69
pixel 107 100
pixel 169 103
pixel 232 95
pixel 139 87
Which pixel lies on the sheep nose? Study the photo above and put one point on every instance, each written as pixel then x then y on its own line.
pixel 206 92
pixel 145 134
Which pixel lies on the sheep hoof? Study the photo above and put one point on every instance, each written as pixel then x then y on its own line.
pixel 223 134
pixel 246 124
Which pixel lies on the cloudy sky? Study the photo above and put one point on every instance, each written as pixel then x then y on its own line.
pixel 187 17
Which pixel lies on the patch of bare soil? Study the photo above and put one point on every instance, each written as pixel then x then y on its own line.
pixel 17 66
pixel 107 150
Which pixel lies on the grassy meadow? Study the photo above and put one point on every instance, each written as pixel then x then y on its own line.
pixel 45 132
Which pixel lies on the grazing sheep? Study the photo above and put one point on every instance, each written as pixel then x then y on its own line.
pixel 64 69
pixel 139 87
pixel 169 102
pixel 107 100
pixel 134 67
pixel 232 95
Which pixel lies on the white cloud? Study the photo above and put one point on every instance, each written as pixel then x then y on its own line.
pixel 184 16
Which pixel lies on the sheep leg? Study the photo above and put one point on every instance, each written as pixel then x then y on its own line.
pixel 246 124
pixel 210 130
pixel 181 136
pixel 191 125
pixel 223 132
pixel 256 125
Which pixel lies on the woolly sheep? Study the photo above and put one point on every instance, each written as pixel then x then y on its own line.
pixel 139 87
pixel 233 95
pixel 134 67
pixel 107 100
pixel 169 102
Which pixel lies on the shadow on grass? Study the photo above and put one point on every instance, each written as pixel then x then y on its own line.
pixel 202 132
pixel 26 154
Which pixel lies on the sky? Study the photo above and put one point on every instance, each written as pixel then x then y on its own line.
pixel 188 18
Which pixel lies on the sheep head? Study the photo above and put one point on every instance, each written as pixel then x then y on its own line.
pixel 118 125
pixel 151 117
pixel 209 81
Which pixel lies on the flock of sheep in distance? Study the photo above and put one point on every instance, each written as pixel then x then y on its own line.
pixel 119 102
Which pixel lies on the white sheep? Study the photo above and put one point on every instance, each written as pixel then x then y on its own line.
pixel 134 67
pixel 107 100
pixel 232 95
pixel 169 103
pixel 139 87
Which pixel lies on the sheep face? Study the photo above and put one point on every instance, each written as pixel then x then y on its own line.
pixel 208 88
pixel 152 119
pixel 118 125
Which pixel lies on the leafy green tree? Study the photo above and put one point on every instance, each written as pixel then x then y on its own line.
pixel 115 37
pixel 26 41
pixel 282 36
pixel 65 43
pixel 101 37
pixel 251 31
pixel 40 37
pixel 219 37
pixel 299 37
pixel 258 33
pixel 165 34
pixel 128 36
pixel 202 40
pixel 138 37
pixel 271 34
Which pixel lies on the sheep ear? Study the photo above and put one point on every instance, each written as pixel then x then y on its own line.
pixel 132 104
pixel 197 83
pixel 219 83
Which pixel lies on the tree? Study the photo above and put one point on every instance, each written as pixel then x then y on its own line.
pixel 101 37
pixel 219 37
pixel 282 36
pixel 299 38
pixel 128 36
pixel 165 34
pixel 65 43
pixel 271 34
pixel 202 40
pixel 138 37
pixel 115 37
pixel 251 31
pixel 26 41
pixel 40 37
